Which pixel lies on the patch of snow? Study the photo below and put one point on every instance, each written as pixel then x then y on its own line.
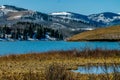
pixel 61 13
pixel 116 17
pixel 8 10
pixel 31 39
pixel 2 7
pixel 118 13
pixel 87 29
pixel 50 38
pixel 73 29
pixel 17 17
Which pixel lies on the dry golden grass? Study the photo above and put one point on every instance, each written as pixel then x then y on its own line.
pixel 33 66
pixel 102 34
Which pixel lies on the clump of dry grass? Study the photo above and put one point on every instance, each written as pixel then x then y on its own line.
pixel 58 72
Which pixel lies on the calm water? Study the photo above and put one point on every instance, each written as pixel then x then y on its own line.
pixel 97 69
pixel 20 47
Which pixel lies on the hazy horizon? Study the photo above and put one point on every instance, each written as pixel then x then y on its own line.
pixel 78 6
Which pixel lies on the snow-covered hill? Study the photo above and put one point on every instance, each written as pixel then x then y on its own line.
pixel 5 9
pixel 12 13
pixel 101 19
pixel 71 16
pixel 68 23
pixel 106 18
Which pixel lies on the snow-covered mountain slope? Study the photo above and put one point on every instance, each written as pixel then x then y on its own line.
pixel 102 19
pixel 71 16
pixel 4 9
pixel 11 8
pixel 8 12
pixel 106 18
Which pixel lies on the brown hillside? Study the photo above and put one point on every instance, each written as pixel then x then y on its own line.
pixel 103 34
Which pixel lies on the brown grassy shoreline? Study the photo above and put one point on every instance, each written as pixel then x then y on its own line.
pixel 102 34
pixel 33 66
pixel 99 40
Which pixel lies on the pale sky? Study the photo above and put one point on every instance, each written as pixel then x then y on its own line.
pixel 78 6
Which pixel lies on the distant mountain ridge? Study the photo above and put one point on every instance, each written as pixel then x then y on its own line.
pixel 101 19
pixel 67 23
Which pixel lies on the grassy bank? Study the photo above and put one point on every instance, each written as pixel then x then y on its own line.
pixel 38 66
pixel 102 34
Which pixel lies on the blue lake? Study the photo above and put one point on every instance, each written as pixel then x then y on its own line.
pixel 98 69
pixel 21 47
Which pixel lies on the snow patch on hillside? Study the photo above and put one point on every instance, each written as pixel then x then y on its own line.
pixel 6 10
pixel 17 17
pixel 61 13
pixel 2 7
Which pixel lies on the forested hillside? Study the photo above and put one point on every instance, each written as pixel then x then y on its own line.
pixel 29 31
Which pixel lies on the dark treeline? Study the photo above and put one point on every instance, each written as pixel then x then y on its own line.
pixel 27 30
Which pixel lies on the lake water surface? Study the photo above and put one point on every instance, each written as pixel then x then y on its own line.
pixel 98 69
pixel 21 47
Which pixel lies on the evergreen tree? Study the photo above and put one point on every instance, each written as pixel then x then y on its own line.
pixel 25 34
pixel 39 33
pixel 30 31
